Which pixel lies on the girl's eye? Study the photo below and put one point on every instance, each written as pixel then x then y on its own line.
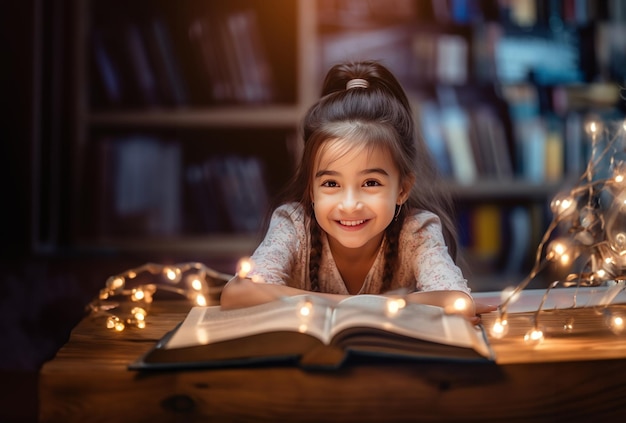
pixel 372 184
pixel 329 184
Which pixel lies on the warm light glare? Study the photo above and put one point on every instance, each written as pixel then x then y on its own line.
pixel 257 279
pixel 534 337
pixel 509 294
pixel 137 295
pixel 616 323
pixel 500 328
pixel 559 250
pixel 460 304
pixel 170 274
pixel 116 283
pixel 244 267
pixel 394 305
pixel 111 320
pixel 306 309
pixel 196 284
pixel 563 205
pixel 201 300
pixel 139 313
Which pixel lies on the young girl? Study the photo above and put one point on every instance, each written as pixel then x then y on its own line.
pixel 363 213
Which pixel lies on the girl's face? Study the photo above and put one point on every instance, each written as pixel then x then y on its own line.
pixel 355 193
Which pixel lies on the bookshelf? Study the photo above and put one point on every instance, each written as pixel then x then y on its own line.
pixel 199 126
pixel 521 132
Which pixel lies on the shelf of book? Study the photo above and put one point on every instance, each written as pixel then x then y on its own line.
pixel 211 246
pixel 234 116
pixel 499 190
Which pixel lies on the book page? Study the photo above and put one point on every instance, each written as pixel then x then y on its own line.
pixel 205 325
pixel 420 321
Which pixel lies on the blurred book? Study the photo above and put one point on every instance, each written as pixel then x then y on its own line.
pixel 141 186
pixel 231 50
pixel 230 193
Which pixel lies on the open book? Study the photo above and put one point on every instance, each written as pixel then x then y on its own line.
pixel 314 333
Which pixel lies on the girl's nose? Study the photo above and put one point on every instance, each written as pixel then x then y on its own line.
pixel 350 202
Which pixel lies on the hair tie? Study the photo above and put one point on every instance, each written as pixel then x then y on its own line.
pixel 357 83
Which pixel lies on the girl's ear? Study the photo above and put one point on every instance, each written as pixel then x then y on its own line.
pixel 405 188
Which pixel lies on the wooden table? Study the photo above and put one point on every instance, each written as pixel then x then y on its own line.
pixel 570 377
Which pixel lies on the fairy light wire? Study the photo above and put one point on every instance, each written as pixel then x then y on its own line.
pixel 590 242
pixel 189 280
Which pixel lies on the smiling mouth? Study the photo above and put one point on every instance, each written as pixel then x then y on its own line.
pixel 351 222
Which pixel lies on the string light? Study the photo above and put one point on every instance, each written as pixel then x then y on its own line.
pixel 592 215
pixel 189 280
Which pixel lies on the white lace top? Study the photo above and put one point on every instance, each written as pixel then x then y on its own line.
pixel 424 263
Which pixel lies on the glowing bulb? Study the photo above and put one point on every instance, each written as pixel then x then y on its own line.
pixel 534 336
pixel 568 325
pixel 593 127
pixel 104 294
pixel 115 283
pixel 196 284
pixel 500 328
pixel 244 267
pixel 111 321
pixel 559 250
pixel 172 274
pixel 616 323
pixel 119 326
pixel 141 324
pixel 139 313
pixel 137 294
pixel 563 205
pixel 201 300
pixel 394 305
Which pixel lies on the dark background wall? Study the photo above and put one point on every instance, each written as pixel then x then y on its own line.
pixel 41 295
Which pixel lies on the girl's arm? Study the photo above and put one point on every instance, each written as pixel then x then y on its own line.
pixel 239 293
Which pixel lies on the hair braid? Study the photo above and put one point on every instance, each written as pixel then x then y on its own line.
pixel 316 255
pixel 391 251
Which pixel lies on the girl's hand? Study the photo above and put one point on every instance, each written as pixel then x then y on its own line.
pixel 481 309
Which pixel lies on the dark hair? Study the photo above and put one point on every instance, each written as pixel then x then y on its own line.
pixel 378 115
